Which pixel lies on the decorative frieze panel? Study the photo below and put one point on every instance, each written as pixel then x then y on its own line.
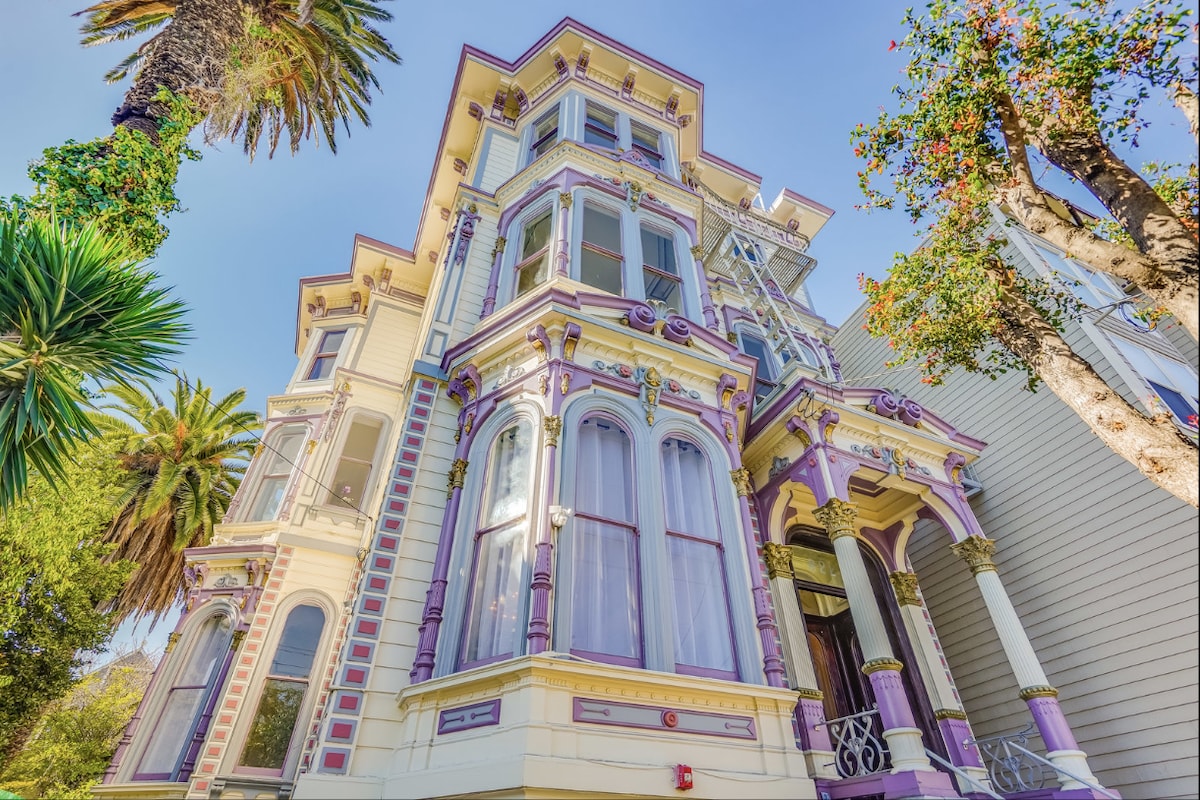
pixel 628 715
pixel 463 718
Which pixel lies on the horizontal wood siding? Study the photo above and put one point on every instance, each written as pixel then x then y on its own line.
pixel 1100 564
pixel 501 161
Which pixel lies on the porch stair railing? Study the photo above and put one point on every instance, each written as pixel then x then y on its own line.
pixel 857 749
pixel 982 788
pixel 1015 768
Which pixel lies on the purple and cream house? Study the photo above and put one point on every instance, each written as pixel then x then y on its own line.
pixel 571 500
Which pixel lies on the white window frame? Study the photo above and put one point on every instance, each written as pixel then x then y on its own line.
pixel 254 484
pixel 377 458
pixel 528 143
pixel 1149 397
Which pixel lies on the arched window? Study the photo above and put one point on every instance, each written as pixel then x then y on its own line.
pixel 283 692
pixel 703 628
pixel 606 604
pixel 275 468
pixel 191 689
pixel 494 620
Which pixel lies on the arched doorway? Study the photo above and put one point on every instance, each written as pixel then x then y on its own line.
pixel 833 641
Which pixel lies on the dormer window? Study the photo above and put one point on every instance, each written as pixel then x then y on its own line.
pixel 600 127
pixel 545 134
pixel 647 142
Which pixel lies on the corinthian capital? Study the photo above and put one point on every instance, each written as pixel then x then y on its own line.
pixel 779 560
pixel 977 551
pixel 837 516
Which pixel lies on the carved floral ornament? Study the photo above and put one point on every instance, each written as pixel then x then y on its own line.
pixel 553 428
pixel 741 481
pixel 779 561
pixel 905 584
pixel 977 551
pixel 837 517
pixel 457 475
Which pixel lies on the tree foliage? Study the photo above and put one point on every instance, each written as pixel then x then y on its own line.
pixel 74 304
pixel 995 91
pixel 54 578
pixel 182 464
pixel 77 736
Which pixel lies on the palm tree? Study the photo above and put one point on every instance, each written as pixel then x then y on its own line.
pixel 74 304
pixel 249 66
pixel 183 465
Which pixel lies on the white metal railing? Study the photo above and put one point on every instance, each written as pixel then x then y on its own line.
pixel 857 749
pixel 983 788
pixel 1012 767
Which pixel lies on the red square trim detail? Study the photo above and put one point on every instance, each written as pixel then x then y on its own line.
pixel 334 760
pixel 416 426
pixel 377 583
pixel 421 412
pixel 409 456
pixel 424 398
pixel 383 562
pixel 348 702
pixel 428 386
pixel 391 524
pixel 373 604
pixel 367 627
pixel 356 675
pixel 412 441
pixel 361 651
pixel 405 472
pixel 387 542
pixel 341 730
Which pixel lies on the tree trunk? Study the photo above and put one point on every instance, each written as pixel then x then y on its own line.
pixel 1188 103
pixel 1155 446
pixel 1153 225
pixel 189 57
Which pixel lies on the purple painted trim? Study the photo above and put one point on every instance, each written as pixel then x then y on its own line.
pixel 765 619
pixel 813 730
pixel 477 715
pixel 730 167
pixel 605 712
pixel 1052 724
pixel 801 200
pixel 193 751
pixel 890 786
pixel 894 710
pixel 954 733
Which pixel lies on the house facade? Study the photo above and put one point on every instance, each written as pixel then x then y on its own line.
pixel 571 500
pixel 1101 565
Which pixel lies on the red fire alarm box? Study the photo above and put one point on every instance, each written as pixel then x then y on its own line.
pixel 683 776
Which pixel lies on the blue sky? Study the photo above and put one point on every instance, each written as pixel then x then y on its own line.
pixel 784 83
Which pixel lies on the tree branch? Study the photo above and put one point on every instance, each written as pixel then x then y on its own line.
pixel 1155 446
pixel 1187 102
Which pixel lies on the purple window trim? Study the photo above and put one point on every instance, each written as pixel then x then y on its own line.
pixel 608 658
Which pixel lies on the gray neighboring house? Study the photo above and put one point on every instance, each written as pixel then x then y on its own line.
pixel 1100 564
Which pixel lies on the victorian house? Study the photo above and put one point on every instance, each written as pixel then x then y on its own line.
pixel 571 500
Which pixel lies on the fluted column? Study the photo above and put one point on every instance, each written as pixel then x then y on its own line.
pixel 948 710
pixel 797 659
pixel 542 582
pixel 561 252
pixel 435 597
pixel 882 668
pixel 706 302
pixel 1036 691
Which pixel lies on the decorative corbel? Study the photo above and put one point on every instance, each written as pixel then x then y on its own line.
pixel 651 383
pixel 641 317
pixel 910 413
pixel 677 330
pixel 799 428
pixel 829 420
pixel 469 375
pixel 540 340
pixel 953 465
pixel 571 335
pixel 726 386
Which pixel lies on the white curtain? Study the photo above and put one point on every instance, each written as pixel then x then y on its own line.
pixel 605 607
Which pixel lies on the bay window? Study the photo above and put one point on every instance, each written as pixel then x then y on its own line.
pixel 768 368
pixel 495 627
pixel 533 265
pixel 191 689
pixel 606 608
pixel 600 260
pixel 1172 382
pixel 284 690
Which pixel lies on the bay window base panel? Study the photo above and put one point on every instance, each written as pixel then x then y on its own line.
pixel 737 737
pixel 142 790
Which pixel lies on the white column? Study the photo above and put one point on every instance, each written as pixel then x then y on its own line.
pixel 882 668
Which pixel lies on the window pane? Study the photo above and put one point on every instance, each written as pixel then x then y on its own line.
pixel 601 229
pixel 658 251
pixel 535 236
pixel 545 133
pixel 604 485
pixel 285 446
pixel 756 347
pixel 508 477
pixel 688 487
pixel 322 368
pixel 605 615
pixel 662 289
pixel 175 727
pixel 702 624
pixel 271 731
pixel 600 127
pixel 601 271
pixel 331 341
pixel 532 275
pixel 493 623
pixel 646 141
pixel 266 503
pixel 354 467
pixel 1175 401
pixel 298 644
